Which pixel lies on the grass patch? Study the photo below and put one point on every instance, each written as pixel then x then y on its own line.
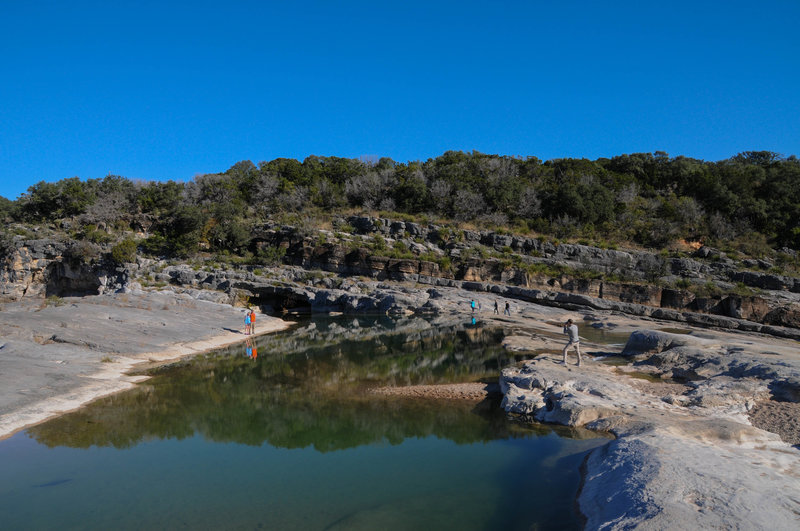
pixel 53 300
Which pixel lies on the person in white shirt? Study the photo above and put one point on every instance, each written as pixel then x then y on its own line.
pixel 571 330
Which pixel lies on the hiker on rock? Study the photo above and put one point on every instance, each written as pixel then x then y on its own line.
pixel 571 330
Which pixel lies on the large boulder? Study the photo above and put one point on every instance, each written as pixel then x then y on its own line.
pixel 653 341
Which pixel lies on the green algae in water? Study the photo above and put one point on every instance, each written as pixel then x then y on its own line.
pixel 681 331
pixel 602 336
pixel 292 441
pixel 646 376
pixel 616 361
pixel 590 334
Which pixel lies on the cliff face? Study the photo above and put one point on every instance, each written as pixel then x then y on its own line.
pixel 776 307
pixel 48 267
pixel 40 268
pixel 706 263
pixel 24 270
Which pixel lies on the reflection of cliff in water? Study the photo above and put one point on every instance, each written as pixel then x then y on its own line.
pixel 307 388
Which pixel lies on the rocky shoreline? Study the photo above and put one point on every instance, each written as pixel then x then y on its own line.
pixel 685 451
pixel 698 415
pixel 56 357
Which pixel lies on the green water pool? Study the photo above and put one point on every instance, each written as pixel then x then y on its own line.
pixel 292 440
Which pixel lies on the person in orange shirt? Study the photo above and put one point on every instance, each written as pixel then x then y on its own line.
pixel 252 321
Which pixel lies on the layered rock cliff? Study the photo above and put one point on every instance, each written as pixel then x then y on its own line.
pixel 45 267
pixel 533 269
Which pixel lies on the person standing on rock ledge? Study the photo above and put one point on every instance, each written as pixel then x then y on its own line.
pixel 571 330
pixel 252 321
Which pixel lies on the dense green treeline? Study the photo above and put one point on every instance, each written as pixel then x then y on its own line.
pixel 750 201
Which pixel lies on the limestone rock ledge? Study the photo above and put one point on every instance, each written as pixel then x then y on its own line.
pixel 685 455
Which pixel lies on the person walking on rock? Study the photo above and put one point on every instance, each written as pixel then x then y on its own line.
pixel 496 308
pixel 507 311
pixel 571 330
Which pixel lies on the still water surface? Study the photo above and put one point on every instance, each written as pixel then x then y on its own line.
pixel 292 441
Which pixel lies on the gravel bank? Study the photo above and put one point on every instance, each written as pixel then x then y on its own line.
pixel 782 418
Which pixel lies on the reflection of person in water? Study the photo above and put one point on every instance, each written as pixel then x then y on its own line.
pixel 248 348
pixel 255 351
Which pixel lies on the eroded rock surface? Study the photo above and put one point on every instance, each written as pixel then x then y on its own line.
pixel 686 455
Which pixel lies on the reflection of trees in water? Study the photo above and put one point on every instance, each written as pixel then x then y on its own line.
pixel 328 355
pixel 309 395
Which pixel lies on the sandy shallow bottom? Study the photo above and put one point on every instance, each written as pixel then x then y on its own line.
pixel 472 391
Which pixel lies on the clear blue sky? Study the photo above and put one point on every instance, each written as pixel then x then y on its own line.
pixel 166 90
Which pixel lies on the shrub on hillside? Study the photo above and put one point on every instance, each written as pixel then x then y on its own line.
pixel 124 252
